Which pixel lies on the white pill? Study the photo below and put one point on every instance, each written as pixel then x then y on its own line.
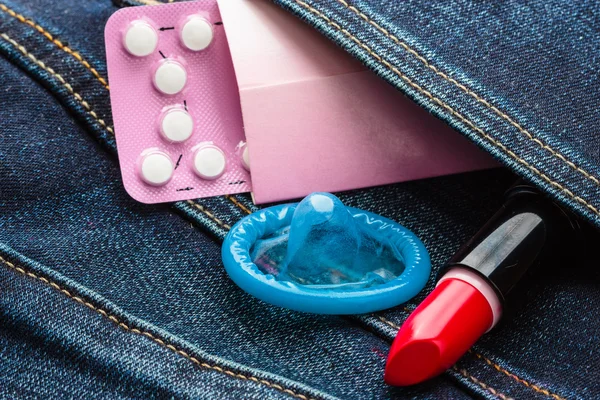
pixel 170 77
pixel 246 158
pixel 197 33
pixel 140 38
pixel 176 125
pixel 156 168
pixel 209 162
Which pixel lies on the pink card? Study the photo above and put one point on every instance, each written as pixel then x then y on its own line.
pixel 316 120
pixel 175 102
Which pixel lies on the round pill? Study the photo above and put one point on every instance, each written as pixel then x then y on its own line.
pixel 246 158
pixel 197 33
pixel 156 168
pixel 209 162
pixel 176 125
pixel 140 38
pixel 170 77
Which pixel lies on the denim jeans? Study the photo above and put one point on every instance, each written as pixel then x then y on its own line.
pixel 104 297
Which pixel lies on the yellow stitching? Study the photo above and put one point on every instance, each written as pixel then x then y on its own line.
pixel 56 42
pixel 390 323
pixel 470 92
pixel 150 335
pixel 68 86
pixel 490 389
pixel 490 363
pixel 237 203
pixel 515 377
pixel 210 215
pixel 451 110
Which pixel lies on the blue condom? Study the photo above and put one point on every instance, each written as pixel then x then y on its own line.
pixel 322 257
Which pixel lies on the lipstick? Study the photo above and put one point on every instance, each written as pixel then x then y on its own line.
pixel 475 288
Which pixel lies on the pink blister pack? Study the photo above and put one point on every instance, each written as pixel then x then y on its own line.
pixel 175 103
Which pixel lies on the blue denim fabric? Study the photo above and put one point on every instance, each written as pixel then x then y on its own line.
pixel 103 297
pixel 67 349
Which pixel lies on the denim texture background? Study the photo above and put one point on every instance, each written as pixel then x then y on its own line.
pixel 101 296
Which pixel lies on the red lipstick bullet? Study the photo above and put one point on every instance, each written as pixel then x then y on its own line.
pixel 470 296
pixel 441 329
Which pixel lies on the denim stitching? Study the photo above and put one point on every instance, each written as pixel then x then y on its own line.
pixel 446 107
pixel 151 336
pixel 210 215
pixel 237 203
pixel 57 42
pixel 68 86
pixel 490 389
pixel 516 378
pixel 490 363
pixel 470 92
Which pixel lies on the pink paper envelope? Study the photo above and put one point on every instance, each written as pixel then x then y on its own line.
pixel 316 120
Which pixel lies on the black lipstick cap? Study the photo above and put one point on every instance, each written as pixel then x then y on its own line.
pixel 528 229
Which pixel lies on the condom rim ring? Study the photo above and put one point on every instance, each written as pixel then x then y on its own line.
pixel 247 275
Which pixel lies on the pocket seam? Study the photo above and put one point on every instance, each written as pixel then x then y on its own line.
pixel 485 386
pixel 62 81
pixel 151 336
pixel 55 41
pixel 210 215
pixel 470 92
